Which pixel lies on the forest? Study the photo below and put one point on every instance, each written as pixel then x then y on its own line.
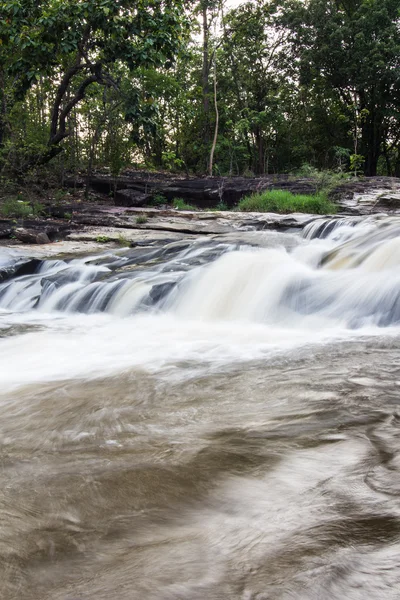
pixel 202 87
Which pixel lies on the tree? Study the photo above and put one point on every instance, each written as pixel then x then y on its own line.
pixel 353 47
pixel 77 43
pixel 256 54
pixel 208 10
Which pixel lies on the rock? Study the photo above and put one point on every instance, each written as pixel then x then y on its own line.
pixel 131 197
pixel 390 201
pixel 31 236
pixel 6 228
pixel 42 238
pixel 137 188
pixel 23 266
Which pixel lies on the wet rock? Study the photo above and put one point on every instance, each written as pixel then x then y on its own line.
pixel 20 267
pixel 159 291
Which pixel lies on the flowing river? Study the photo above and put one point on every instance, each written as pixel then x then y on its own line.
pixel 208 420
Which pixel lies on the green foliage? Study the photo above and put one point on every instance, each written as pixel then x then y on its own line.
pixel 123 241
pixel 341 157
pixel 325 181
pixel 38 209
pixel 280 201
pixel 171 161
pixel 158 200
pixel 15 208
pixel 60 195
pixel 76 44
pixel 103 239
pixel 141 220
pixel 180 204
pixel 117 84
pixel 353 50
pixel 356 162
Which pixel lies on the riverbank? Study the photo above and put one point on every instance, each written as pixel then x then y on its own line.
pixel 68 223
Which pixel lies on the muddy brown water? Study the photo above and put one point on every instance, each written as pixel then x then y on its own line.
pixel 161 456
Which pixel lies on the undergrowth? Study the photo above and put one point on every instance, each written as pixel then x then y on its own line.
pixel 19 209
pixel 279 201
pixel 180 204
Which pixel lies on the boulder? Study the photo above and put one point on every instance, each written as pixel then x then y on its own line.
pixel 31 236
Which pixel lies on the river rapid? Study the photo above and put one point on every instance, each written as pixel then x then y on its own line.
pixel 207 420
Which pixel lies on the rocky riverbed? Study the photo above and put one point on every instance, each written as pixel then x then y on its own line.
pixel 208 417
pixel 71 226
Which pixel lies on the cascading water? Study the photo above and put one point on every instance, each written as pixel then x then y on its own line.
pixel 350 280
pixel 209 419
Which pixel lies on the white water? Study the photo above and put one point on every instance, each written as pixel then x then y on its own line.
pixel 246 304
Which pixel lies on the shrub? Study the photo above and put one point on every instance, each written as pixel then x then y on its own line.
pixel 60 195
pixel 123 241
pixel 17 208
pixel 280 201
pixel 38 209
pixel 325 181
pixel 141 219
pixel 12 207
pixel 103 239
pixel 180 204
pixel 158 200
pixel 221 206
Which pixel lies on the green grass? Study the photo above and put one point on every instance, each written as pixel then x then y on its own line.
pixel 141 219
pixel 180 204
pixel 280 201
pixel 123 242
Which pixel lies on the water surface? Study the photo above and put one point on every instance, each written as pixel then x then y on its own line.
pixel 213 420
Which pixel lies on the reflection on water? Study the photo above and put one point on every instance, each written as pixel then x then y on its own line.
pixel 237 438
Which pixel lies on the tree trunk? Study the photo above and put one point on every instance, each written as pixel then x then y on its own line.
pixel 206 75
pixel 3 108
pixel 397 164
pixel 210 170
pixel 371 141
pixel 260 151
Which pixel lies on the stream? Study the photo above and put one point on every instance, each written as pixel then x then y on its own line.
pixel 214 419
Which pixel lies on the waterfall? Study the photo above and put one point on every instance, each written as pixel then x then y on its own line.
pixel 344 273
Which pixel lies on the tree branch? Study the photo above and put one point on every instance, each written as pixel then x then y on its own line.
pixel 60 126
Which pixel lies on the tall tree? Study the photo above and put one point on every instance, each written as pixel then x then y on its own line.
pixel 353 46
pixel 76 43
pixel 255 50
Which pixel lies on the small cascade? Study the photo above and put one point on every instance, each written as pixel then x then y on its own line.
pixel 345 273
pixel 119 285
pixel 324 228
